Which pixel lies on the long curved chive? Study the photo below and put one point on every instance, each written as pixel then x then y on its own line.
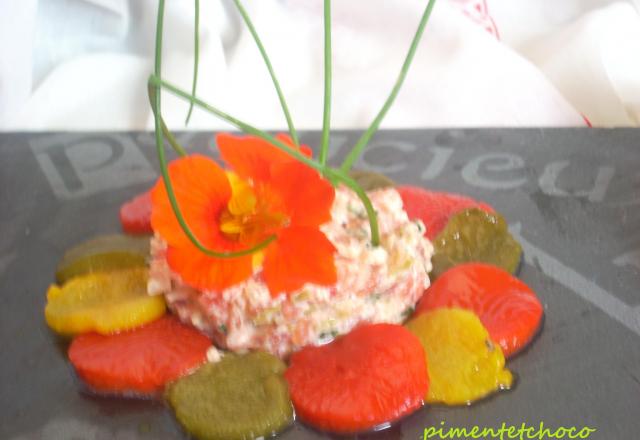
pixel 158 82
pixel 326 115
pixel 163 161
pixel 368 206
pixel 267 62
pixel 165 131
pixel 331 174
pixel 366 136
pixel 172 140
pixel 196 56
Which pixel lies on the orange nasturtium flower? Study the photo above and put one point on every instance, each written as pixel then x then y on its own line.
pixel 264 192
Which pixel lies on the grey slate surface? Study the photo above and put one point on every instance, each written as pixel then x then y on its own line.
pixel 572 196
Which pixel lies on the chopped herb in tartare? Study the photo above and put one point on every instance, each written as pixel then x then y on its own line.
pixel 375 284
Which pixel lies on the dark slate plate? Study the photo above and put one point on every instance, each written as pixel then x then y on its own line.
pixel 572 196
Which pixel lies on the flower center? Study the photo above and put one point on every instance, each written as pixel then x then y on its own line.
pixel 248 219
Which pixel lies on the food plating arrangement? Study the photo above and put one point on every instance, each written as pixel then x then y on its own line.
pixel 272 287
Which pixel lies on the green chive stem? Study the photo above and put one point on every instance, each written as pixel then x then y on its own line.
pixel 196 56
pixel 368 206
pixel 267 62
pixel 331 174
pixel 156 81
pixel 326 117
pixel 355 153
pixel 172 140
pixel 167 134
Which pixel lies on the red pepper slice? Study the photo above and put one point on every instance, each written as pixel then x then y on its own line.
pixel 135 215
pixel 139 361
pixel 435 208
pixel 373 375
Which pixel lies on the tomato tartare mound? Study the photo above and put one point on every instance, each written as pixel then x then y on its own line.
pixel 374 284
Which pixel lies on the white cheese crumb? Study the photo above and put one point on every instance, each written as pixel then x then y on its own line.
pixel 214 355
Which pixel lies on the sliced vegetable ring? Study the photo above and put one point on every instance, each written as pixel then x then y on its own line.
pixel 104 253
pixel 373 375
pixel 140 360
pixel 506 306
pixel 370 180
pixel 135 215
pixel 475 235
pixel 239 397
pixel 105 302
pixel 464 364
pixel 435 208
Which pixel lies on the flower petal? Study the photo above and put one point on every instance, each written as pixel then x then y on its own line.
pixel 208 273
pixel 202 191
pixel 306 197
pixel 300 255
pixel 251 157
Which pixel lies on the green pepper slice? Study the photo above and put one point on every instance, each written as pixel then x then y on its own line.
pixel 370 180
pixel 239 397
pixel 474 235
pixel 104 253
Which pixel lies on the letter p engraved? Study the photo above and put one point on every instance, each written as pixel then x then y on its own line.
pixel 77 166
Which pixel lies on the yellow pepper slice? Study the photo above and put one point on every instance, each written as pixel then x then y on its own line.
pixel 104 302
pixel 464 364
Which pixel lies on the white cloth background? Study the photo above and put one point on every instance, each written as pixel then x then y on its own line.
pixel 83 64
